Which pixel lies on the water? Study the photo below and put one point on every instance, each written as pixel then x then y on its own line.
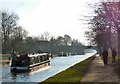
pixel 58 64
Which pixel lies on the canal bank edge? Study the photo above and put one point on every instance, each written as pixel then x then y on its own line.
pixel 71 75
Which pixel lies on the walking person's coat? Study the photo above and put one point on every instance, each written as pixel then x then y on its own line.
pixel 105 56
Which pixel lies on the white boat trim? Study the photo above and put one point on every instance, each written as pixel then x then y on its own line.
pixel 39 63
pixel 20 68
pixel 35 55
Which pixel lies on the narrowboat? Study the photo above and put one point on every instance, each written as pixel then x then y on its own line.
pixel 29 62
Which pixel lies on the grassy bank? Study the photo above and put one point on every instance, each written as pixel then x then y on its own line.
pixel 72 75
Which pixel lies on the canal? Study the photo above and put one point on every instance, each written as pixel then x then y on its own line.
pixel 58 64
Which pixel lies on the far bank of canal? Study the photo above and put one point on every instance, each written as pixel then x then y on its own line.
pixel 58 64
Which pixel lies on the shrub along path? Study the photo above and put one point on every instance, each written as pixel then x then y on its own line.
pixel 99 73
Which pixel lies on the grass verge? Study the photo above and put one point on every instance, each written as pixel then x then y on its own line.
pixel 72 75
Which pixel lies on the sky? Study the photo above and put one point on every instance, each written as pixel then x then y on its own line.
pixel 58 17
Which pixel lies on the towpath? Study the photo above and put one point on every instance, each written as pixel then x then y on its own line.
pixel 99 73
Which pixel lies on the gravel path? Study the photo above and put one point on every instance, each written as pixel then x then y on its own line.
pixel 99 73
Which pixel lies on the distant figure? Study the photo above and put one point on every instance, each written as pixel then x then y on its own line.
pixel 114 54
pixel 13 55
pixel 105 56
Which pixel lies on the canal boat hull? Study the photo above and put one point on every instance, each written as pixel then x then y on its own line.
pixel 28 63
pixel 31 68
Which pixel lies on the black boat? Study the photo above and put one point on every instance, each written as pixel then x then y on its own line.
pixel 30 62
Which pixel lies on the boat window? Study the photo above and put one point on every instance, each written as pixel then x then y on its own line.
pixel 37 60
pixel 32 60
pixel 47 57
pixel 43 58
pixel 40 58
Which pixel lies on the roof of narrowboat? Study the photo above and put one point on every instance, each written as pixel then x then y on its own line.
pixel 35 55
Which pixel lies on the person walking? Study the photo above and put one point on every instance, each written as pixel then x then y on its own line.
pixel 105 57
pixel 114 54
pixel 13 56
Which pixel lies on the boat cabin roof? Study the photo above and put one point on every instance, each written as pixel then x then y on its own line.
pixel 35 55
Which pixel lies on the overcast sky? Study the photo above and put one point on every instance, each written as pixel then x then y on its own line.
pixel 58 17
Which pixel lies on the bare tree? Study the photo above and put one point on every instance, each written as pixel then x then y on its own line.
pixel 45 36
pixel 8 23
pixel 104 26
